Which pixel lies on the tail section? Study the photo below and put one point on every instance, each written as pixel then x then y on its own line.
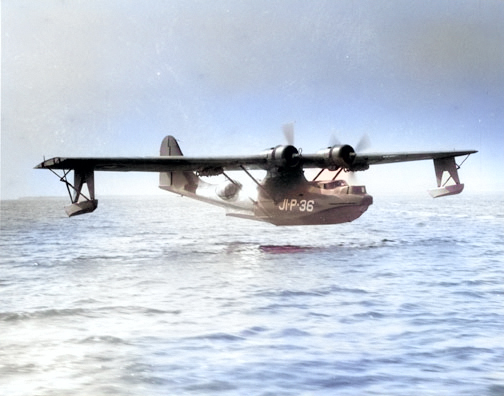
pixel 170 147
pixel 188 184
pixel 178 182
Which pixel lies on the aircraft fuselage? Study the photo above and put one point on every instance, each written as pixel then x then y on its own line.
pixel 282 202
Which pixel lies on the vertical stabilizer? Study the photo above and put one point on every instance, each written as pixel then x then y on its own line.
pixel 170 147
pixel 179 182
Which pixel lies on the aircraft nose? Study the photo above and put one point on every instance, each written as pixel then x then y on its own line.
pixel 367 200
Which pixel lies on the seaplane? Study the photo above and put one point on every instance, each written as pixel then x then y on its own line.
pixel 283 197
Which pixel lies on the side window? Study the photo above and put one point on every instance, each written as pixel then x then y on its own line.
pixel 334 184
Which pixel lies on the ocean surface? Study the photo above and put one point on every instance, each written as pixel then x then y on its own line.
pixel 167 296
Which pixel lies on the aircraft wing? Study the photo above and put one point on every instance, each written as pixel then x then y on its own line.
pixel 344 157
pixel 446 168
pixel 156 164
pixel 215 165
pixel 364 160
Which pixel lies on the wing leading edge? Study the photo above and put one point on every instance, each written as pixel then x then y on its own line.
pixel 154 164
pixel 207 164
pixel 388 158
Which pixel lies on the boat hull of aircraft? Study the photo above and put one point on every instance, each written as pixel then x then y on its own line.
pixel 309 204
pixel 292 212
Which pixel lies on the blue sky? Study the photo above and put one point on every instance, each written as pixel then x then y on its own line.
pixel 112 78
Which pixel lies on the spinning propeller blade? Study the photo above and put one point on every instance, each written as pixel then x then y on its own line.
pixel 364 143
pixel 288 131
pixel 334 141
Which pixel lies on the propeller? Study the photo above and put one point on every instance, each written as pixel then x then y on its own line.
pixel 363 144
pixel 288 131
pixel 333 140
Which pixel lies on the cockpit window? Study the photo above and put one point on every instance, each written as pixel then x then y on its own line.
pixel 358 190
pixel 335 184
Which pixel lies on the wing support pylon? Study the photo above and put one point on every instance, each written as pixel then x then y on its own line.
pixel 447 177
pixel 81 203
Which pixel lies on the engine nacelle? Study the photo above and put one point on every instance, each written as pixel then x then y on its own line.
pixel 283 157
pixel 337 157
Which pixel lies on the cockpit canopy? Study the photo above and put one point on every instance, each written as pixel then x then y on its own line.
pixel 342 186
pixel 333 184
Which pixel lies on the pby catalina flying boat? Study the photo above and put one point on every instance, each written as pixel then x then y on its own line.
pixel 283 197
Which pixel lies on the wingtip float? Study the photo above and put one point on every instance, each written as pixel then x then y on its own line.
pixel 284 197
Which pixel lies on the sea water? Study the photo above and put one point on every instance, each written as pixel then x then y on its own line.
pixel 166 296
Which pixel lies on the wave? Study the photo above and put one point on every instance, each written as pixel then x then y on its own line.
pixel 45 314
pixel 92 312
pixel 103 339
pixel 220 336
pixel 279 249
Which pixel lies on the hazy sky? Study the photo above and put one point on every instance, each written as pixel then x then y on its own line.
pixel 112 78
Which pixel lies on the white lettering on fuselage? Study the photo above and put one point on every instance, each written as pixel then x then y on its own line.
pixel 288 205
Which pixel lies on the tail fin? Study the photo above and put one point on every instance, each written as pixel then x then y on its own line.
pixel 178 182
pixel 170 147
